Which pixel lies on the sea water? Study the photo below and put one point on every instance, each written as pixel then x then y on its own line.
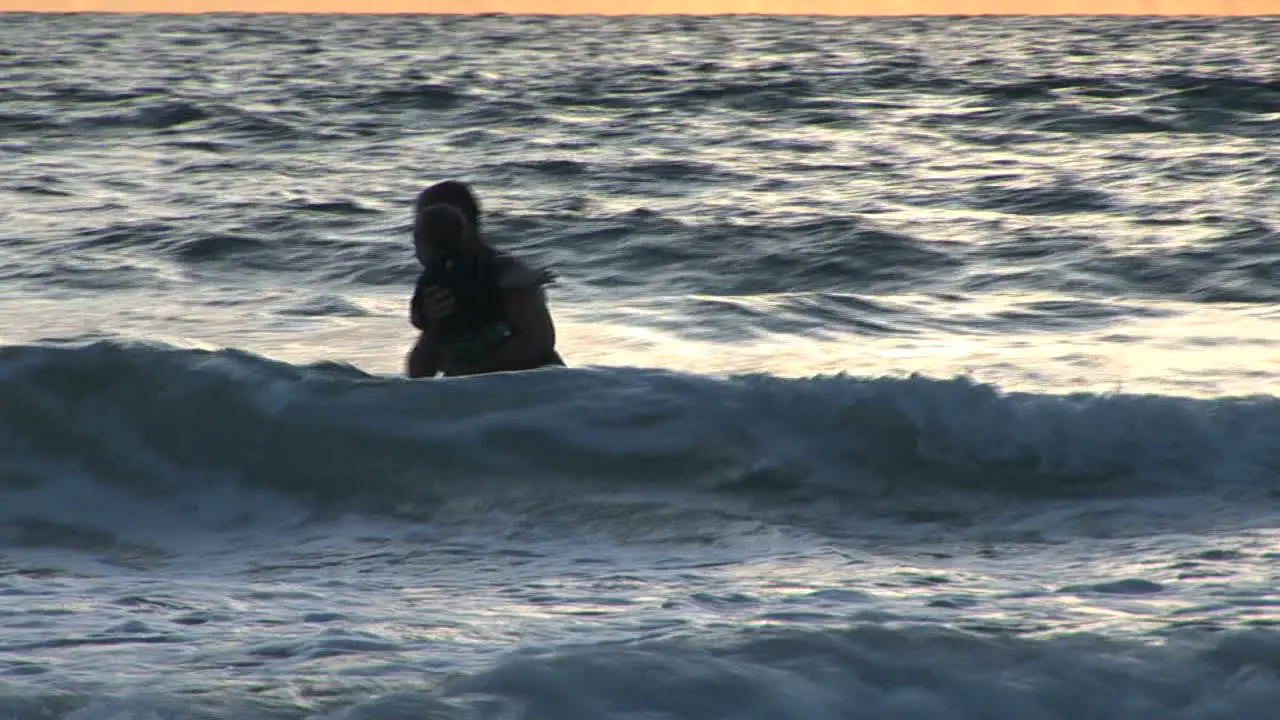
pixel 921 369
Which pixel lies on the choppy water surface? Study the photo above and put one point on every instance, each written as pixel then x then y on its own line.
pixel 922 369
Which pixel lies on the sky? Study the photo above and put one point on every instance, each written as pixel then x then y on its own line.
pixel 699 7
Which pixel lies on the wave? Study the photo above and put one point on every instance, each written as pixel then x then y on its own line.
pixel 867 671
pixel 157 419
pixel 878 672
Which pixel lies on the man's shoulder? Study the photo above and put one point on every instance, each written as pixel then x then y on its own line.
pixel 517 274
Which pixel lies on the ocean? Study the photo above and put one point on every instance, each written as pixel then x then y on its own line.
pixel 920 369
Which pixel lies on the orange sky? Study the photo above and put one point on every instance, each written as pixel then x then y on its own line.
pixel 642 7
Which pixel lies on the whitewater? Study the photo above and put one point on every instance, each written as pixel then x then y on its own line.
pixel 920 369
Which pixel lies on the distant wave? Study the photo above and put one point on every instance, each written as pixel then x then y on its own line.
pixel 849 155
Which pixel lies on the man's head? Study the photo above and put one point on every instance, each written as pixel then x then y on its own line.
pixel 451 192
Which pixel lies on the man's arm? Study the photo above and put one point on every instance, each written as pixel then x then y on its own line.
pixel 424 358
pixel 534 333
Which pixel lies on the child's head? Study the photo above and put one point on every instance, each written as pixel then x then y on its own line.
pixel 439 228
pixel 452 193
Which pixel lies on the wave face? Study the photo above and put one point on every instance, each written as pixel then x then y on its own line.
pixel 157 419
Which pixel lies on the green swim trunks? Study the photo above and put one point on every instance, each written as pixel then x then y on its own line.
pixel 475 347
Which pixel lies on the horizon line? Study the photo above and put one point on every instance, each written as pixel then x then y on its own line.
pixel 706 14
pixel 667 8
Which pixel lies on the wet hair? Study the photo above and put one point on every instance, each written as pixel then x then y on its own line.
pixel 451 192
pixel 440 225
